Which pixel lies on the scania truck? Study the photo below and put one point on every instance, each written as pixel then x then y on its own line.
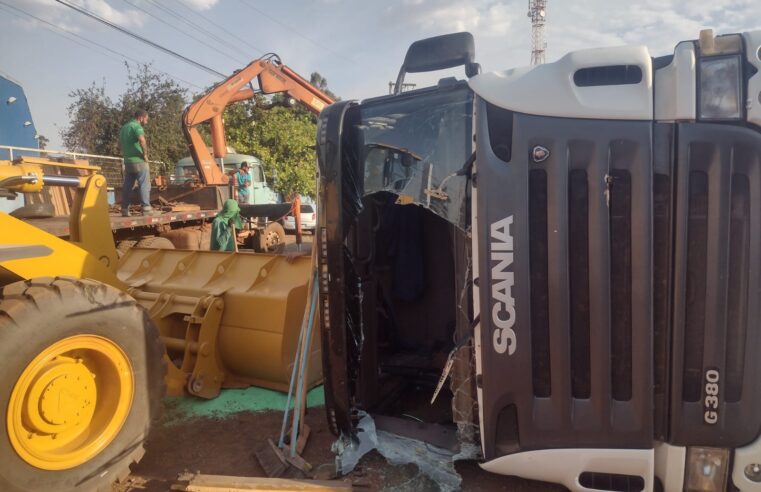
pixel 574 247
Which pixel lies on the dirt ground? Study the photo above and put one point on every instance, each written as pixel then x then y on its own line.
pixel 226 447
pixel 306 243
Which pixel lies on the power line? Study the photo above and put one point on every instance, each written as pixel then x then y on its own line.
pixel 141 38
pixel 242 40
pixel 151 14
pixel 208 32
pixel 50 26
pixel 275 20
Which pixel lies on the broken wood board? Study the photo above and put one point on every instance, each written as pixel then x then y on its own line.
pixel 226 483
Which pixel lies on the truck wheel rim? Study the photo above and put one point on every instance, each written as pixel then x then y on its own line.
pixel 272 240
pixel 70 402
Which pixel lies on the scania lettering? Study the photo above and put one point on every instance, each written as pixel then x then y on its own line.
pixel 503 280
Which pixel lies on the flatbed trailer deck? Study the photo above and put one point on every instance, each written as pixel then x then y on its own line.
pixel 59 226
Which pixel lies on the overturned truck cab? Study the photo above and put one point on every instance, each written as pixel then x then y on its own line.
pixel 555 270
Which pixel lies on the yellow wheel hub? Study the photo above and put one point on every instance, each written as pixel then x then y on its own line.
pixel 70 402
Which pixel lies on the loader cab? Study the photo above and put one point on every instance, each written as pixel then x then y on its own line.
pixel 573 248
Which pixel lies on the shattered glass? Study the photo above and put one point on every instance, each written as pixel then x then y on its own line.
pixel 462 381
pixel 436 463
pixel 418 148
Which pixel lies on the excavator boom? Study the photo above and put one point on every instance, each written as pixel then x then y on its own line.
pixel 273 77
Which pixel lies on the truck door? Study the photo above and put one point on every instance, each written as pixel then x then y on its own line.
pixel 563 239
pixel 258 184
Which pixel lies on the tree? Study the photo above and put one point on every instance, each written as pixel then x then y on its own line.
pixel 95 119
pixel 283 139
pixel 42 141
pixel 321 83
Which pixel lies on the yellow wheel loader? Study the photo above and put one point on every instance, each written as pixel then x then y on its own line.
pixel 83 344
pixel 83 373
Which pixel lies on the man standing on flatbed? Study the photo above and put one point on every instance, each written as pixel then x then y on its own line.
pixel 136 170
pixel 243 183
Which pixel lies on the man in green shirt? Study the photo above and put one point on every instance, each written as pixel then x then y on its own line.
pixel 135 154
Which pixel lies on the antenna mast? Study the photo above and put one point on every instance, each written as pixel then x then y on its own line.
pixel 537 11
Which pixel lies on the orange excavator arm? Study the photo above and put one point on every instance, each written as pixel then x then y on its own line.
pixel 273 77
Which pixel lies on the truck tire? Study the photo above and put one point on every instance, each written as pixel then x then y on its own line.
pixel 82 382
pixel 155 242
pixel 271 239
pixel 124 246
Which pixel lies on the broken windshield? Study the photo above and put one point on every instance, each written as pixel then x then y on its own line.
pixel 418 147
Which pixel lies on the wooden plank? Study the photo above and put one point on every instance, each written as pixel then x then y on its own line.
pixel 185 207
pixel 220 483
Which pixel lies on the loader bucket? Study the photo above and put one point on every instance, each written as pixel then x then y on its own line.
pixel 226 319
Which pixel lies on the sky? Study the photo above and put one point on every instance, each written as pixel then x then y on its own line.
pixel 357 45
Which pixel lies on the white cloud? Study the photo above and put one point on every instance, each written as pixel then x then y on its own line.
pixel 126 18
pixel 483 17
pixel 200 4
pixel 67 18
pixel 658 24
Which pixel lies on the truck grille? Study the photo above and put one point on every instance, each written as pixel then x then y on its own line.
pixel 637 278
pixel 591 302
pixel 582 289
pixel 717 265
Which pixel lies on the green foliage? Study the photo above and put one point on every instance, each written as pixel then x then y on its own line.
pixel 321 83
pixel 282 138
pixel 95 119
pixel 42 141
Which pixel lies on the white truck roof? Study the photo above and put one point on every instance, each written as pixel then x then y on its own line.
pixel 550 90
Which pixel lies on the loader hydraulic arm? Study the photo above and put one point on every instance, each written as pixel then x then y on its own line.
pixel 273 77
pixel 90 251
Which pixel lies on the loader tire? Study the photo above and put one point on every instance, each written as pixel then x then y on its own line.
pixel 81 383
pixel 155 242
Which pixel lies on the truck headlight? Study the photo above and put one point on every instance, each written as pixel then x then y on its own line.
pixel 707 469
pixel 720 89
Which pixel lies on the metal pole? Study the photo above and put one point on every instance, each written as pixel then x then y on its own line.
pixel 281 441
pixel 302 369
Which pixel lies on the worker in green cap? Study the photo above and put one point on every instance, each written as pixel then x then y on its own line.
pixel 222 228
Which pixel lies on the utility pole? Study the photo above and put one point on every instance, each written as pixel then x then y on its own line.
pixel 537 11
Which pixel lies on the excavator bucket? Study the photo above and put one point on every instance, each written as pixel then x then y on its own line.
pixel 226 319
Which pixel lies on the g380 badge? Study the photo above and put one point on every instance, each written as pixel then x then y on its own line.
pixel 711 399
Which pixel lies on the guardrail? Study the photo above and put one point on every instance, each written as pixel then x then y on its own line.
pixel 111 167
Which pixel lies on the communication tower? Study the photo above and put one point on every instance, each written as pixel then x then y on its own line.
pixel 537 11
